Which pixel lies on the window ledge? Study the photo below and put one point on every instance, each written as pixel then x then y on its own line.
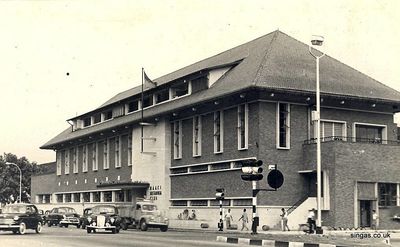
pixel 219 152
pixel 283 148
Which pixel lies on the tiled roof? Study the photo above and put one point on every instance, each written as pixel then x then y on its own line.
pixel 275 61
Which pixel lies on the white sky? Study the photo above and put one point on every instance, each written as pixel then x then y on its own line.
pixel 104 44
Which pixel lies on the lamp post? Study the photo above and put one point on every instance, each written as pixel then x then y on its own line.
pixel 317 41
pixel 20 179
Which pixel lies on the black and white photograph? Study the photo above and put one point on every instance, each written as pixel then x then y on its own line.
pixel 196 123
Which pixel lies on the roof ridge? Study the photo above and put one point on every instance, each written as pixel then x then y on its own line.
pixel 235 47
pixel 264 60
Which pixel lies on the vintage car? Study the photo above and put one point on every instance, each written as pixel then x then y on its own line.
pixel 104 217
pixel 20 217
pixel 83 220
pixel 63 216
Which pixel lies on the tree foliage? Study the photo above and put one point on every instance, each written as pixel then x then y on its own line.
pixel 9 177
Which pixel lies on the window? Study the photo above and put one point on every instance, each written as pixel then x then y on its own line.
pixel 74 152
pixel 179 203
pixel 117 151
pixel 84 158
pixel 179 170
pixel 107 196
pixel 68 197
pixel 133 106
pixel 58 157
pixel 147 101
pixel 202 168
pixel 105 155
pixel 87 122
pixel 96 196
pixel 94 157
pixel 225 203
pixel 331 130
pixel 162 96
pixel 199 203
pixel 96 118
pixel 119 196
pixel 242 128
pixel 387 194
pixel 129 149
pixel 86 196
pixel 180 90
pixel 77 197
pixel 370 133
pixel 66 161
pixel 283 126
pixel 199 84
pixel 218 132
pixel 221 166
pixel 178 140
pixel 107 115
pixel 197 136
pixel 59 198
pixel 242 202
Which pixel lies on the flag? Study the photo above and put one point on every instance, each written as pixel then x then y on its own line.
pixel 147 82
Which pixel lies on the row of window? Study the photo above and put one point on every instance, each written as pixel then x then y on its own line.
pixel 103 152
pixel 242 132
pixel 79 197
pixel 212 203
pixel 175 91
pixel 85 181
pixel 388 194
pixel 206 168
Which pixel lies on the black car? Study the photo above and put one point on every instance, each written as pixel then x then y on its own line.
pixel 83 221
pixel 63 216
pixel 104 217
pixel 20 217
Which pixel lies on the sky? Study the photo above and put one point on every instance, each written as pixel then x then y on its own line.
pixel 59 59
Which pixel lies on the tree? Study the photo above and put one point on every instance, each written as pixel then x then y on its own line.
pixel 9 177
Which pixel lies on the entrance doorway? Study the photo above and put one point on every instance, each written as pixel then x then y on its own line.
pixel 365 213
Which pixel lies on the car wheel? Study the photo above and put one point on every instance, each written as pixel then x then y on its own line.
pixel 143 225
pixel 124 226
pixel 164 228
pixel 78 226
pixel 83 226
pixel 66 225
pixel 39 227
pixel 15 231
pixel 88 230
pixel 22 228
pixel 114 230
pixel 49 224
pixel 60 225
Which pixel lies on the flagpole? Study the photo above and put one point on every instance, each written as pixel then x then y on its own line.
pixel 141 106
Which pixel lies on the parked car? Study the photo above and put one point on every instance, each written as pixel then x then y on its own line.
pixel 20 217
pixel 83 220
pixel 104 217
pixel 63 216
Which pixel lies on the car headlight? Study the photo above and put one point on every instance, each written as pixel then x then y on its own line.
pixel 64 217
pixel 16 218
pixel 166 219
pixel 112 220
pixel 151 217
pixel 89 219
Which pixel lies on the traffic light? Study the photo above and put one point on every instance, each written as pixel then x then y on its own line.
pixel 220 193
pixel 252 170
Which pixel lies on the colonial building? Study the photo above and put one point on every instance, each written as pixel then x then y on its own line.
pixel 252 101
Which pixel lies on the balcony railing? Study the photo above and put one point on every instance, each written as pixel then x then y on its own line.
pixel 352 139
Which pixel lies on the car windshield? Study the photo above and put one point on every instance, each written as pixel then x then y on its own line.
pixel 66 210
pixel 103 210
pixel 149 207
pixel 14 209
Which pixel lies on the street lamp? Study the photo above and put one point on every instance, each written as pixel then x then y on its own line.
pixel 20 179
pixel 317 41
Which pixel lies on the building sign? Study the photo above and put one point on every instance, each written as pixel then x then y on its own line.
pixel 154 192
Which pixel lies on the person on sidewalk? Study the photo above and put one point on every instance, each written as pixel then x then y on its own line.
pixel 228 219
pixel 245 220
pixel 374 220
pixel 284 218
pixel 311 221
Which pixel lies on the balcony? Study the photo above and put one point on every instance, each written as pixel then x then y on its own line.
pixel 336 149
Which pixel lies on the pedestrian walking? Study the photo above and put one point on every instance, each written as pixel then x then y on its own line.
pixel 284 217
pixel 228 219
pixel 311 221
pixel 374 220
pixel 245 219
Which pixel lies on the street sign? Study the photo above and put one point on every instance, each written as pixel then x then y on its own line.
pixel 275 179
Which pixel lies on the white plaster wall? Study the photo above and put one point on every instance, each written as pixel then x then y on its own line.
pixel 154 168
